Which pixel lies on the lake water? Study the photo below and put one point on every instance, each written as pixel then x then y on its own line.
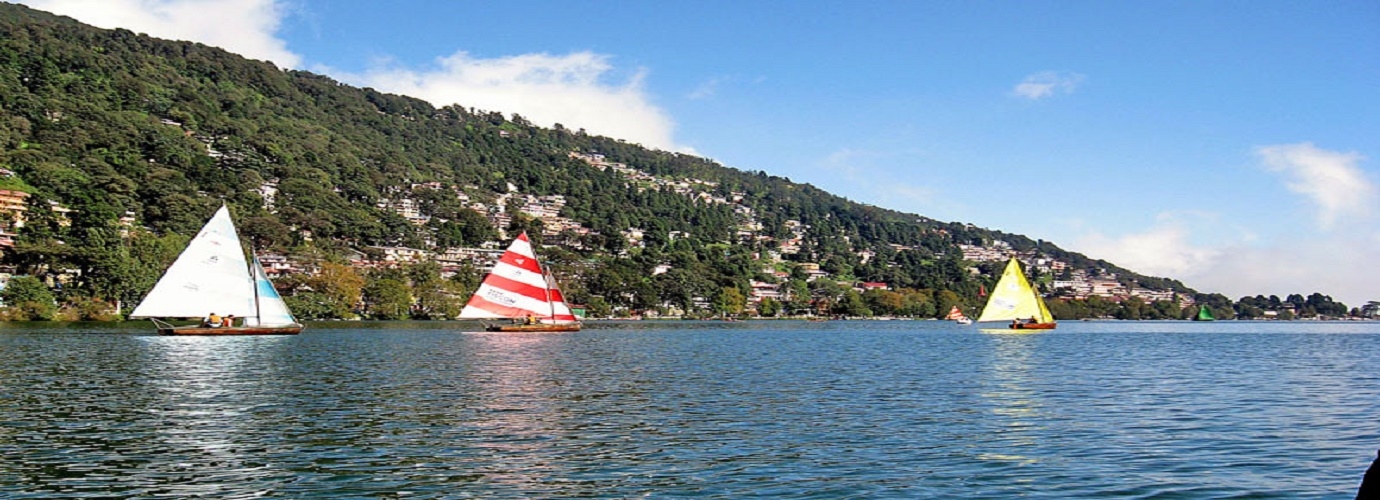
pixel 842 409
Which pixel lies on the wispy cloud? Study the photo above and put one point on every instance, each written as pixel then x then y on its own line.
pixel 245 27
pixel 569 89
pixel 1047 83
pixel 856 171
pixel 707 89
pixel 1331 180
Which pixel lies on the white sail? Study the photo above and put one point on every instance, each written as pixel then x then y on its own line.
pixel 211 276
pixel 560 312
pixel 517 288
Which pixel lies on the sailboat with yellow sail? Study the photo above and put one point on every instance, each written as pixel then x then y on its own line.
pixel 1014 300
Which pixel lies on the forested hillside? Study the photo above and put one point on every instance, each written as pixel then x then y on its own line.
pixel 110 124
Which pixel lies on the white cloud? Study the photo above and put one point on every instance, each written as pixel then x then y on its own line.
pixel 545 89
pixel 1047 83
pixel 1162 250
pixel 1336 267
pixel 1331 180
pixel 245 27
pixel 1335 264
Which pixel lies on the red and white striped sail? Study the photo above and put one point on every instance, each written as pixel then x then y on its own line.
pixel 957 316
pixel 518 288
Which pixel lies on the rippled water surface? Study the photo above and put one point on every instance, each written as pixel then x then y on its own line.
pixel 895 409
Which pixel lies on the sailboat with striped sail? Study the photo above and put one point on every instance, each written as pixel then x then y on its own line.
pixel 213 275
pixel 956 315
pixel 1014 300
pixel 519 289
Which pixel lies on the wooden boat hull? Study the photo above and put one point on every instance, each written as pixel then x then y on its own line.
pixel 1033 326
pixel 541 328
pixel 233 330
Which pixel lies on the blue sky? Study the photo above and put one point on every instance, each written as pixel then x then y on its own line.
pixel 1231 145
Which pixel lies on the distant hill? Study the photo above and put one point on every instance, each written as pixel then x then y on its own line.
pixel 111 124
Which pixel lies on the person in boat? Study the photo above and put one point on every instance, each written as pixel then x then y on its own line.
pixel 531 320
pixel 213 320
pixel 229 321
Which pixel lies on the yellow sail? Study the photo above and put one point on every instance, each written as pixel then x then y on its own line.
pixel 1014 298
pixel 1045 316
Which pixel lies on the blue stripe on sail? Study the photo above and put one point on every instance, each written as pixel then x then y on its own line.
pixel 266 291
pixel 272 309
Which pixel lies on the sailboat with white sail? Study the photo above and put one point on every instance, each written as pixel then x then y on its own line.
pixel 520 290
pixel 214 276
pixel 1014 300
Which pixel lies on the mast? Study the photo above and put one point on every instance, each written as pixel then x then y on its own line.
pixel 549 304
pixel 258 311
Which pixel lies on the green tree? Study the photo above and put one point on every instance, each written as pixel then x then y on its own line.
pixel 946 300
pixel 336 289
pixel 312 305
pixel 26 299
pixel 769 308
pixel 918 303
pixel 853 304
pixel 1132 308
pixel 387 299
pixel 797 296
pixel 436 298
pixel 884 302
pixel 730 301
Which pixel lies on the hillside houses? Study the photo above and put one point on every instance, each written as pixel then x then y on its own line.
pixel 697 189
pixel 763 290
pixel 999 251
pixel 14 209
pixel 13 205
pixel 501 208
pixel 547 209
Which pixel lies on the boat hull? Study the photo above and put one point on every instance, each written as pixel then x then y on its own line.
pixel 571 327
pixel 1032 326
pixel 232 330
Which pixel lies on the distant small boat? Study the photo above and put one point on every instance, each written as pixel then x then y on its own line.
pixel 957 316
pixel 1204 314
pixel 213 275
pixel 519 289
pixel 1014 300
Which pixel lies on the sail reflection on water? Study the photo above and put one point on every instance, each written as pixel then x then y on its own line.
pixel 206 391
pixel 1012 402
pixel 515 408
